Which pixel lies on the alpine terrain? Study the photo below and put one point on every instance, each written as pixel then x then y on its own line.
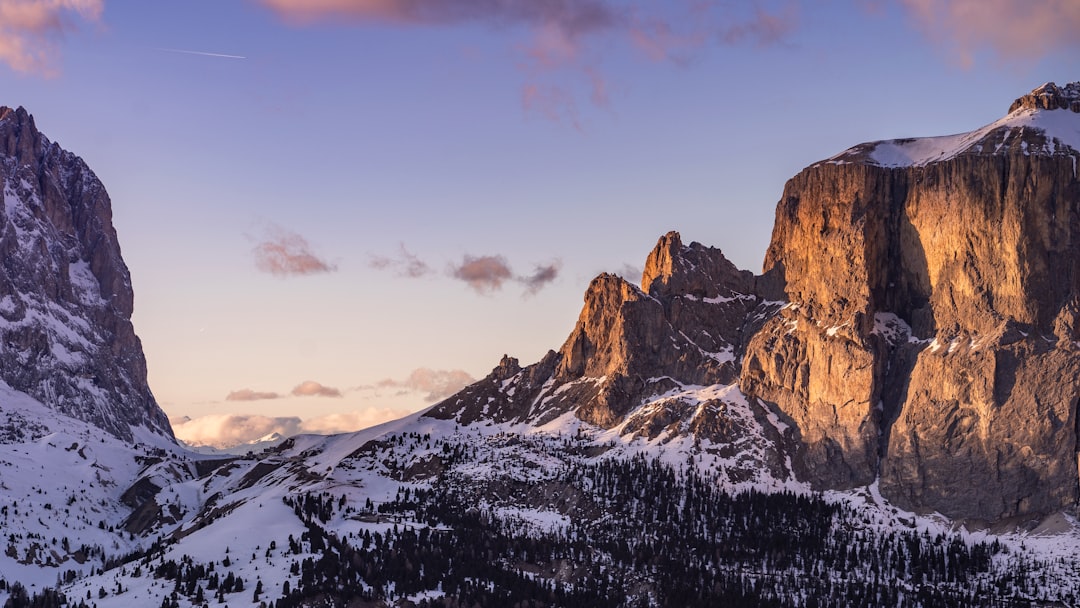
pixel 885 416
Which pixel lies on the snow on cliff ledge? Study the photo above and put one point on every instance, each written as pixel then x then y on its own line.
pixel 1049 113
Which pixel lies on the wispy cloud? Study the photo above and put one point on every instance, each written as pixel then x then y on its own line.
pixel 564 41
pixel 436 384
pixel 284 253
pixel 246 394
pixel 224 431
pixel 310 388
pixel 761 27
pixel 405 264
pixel 1012 29
pixel 29 30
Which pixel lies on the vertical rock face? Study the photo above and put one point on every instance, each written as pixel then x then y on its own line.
pixel 917 322
pixel 819 359
pixel 992 400
pixel 65 292
pixel 931 332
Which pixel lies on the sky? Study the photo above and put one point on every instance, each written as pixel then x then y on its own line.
pixel 336 212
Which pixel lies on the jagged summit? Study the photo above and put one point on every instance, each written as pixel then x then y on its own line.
pixel 65 293
pixel 694 270
pixel 1050 97
pixel 1045 122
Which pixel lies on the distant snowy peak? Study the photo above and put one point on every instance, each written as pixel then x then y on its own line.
pixel 1045 122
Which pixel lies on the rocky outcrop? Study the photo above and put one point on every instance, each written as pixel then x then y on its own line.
pixel 629 345
pixel 916 323
pixel 1050 97
pixel 65 293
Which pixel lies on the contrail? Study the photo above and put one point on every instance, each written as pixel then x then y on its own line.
pixel 203 53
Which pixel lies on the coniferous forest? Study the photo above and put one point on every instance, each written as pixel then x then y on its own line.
pixel 637 533
pixel 665 538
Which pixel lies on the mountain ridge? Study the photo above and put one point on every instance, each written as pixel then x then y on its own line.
pixel 885 416
pixel 873 266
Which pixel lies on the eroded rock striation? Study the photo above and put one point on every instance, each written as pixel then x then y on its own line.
pixel 65 292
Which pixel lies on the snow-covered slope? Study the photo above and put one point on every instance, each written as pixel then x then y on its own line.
pixel 1030 125
pixel 62 486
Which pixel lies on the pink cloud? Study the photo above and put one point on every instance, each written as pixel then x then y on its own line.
pixel 570 15
pixel 405 264
pixel 347 422
pixel 284 253
pixel 224 431
pixel 437 384
pixel 1013 29
pixel 551 102
pixel 246 394
pixel 562 54
pixel 28 29
pixel 485 274
pixel 763 28
pixel 310 388
pixel 660 42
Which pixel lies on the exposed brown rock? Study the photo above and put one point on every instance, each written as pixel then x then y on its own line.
pixel 917 322
pixel 979 256
pixel 1050 97
pixel 629 345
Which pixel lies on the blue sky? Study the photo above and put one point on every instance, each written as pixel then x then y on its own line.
pixel 560 138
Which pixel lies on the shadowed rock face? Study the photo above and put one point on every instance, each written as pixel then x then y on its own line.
pixel 65 292
pixel 916 322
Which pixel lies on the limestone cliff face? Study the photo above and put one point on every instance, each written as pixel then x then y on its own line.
pixel 992 400
pixel 917 323
pixel 65 293
pixel 930 336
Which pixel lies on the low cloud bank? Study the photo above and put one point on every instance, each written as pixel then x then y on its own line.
pixel 226 431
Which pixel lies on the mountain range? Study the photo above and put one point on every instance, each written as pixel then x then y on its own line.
pixel 886 415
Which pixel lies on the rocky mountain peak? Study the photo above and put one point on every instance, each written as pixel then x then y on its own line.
pixel 508 366
pixel 65 292
pixel 19 137
pixel 1050 97
pixel 695 270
